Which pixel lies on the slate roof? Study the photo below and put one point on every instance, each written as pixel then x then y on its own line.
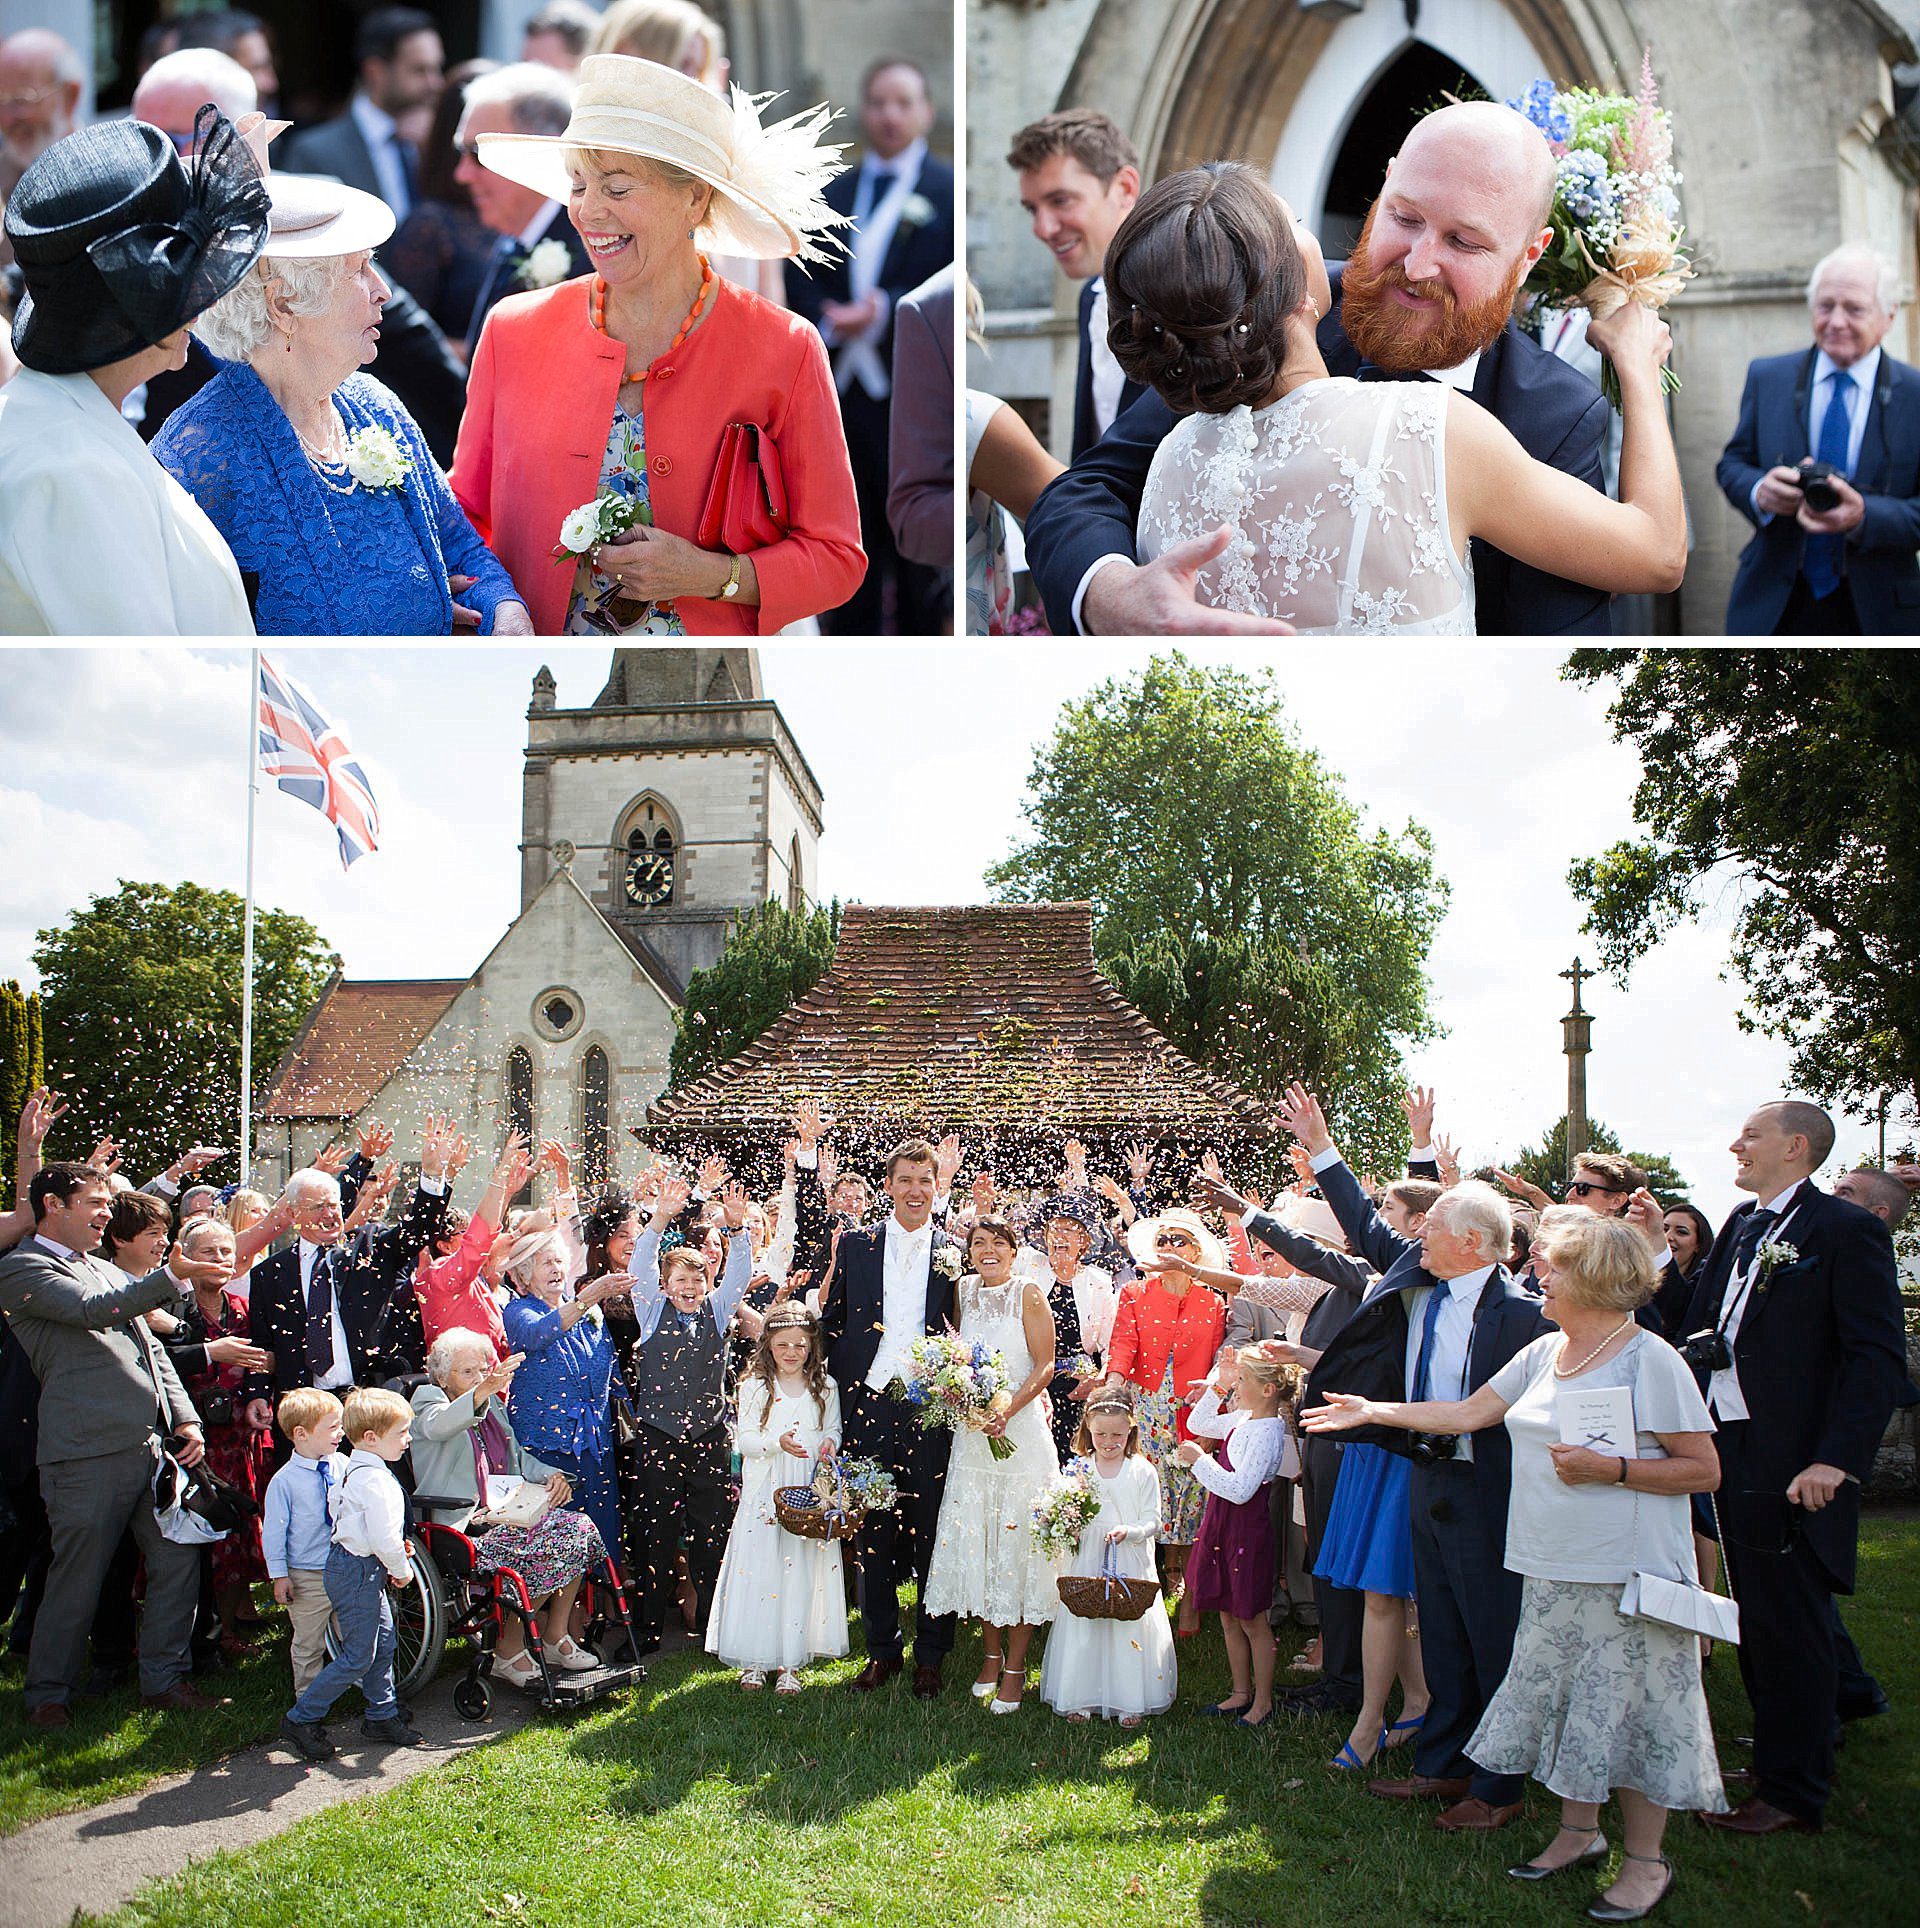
pixel 985 1017
pixel 355 1038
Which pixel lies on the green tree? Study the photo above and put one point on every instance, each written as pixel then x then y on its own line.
pixel 1794 777
pixel 22 1067
pixel 772 956
pixel 1238 896
pixel 1545 1164
pixel 142 1011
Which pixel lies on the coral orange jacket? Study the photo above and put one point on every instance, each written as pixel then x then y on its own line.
pixel 540 403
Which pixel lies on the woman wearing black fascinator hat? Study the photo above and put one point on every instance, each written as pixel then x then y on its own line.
pixel 119 247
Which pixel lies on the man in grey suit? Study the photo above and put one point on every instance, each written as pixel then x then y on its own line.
pixel 107 1391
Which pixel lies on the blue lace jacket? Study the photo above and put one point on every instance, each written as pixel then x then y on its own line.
pixel 328 564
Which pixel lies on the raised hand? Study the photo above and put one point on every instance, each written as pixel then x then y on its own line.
pixel 332 1161
pixel 946 1161
pixel 1524 1188
pixel 458 1156
pixel 1418 1104
pixel 436 1143
pixel 984 1196
pixel 712 1174
pixel 197 1271
pixel 675 1195
pixel 498 1380
pixel 808 1122
pixel 1302 1164
pixel 1214 1194
pixel 553 1155
pixel 376 1140
pixel 1109 1189
pixel 1644 1214
pixel 1446 1154
pixel 105 1156
pixel 37 1117
pixel 1299 1111
pixel 1074 1178
pixel 734 1200
pixel 829 1172
pixel 1139 1165
pixel 199 1158
pixel 790 1158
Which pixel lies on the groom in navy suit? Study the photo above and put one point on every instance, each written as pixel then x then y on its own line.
pixel 889 1285
pixel 1456 229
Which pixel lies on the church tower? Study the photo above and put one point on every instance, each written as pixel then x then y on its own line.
pixel 678 799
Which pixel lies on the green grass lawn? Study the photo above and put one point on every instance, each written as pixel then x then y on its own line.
pixel 694 1804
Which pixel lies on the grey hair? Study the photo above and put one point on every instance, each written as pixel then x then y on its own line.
pixel 240 321
pixel 214 76
pixel 313 1183
pixel 1886 275
pixel 538 97
pixel 528 1247
pixel 448 1348
pixel 1474 1207
pixel 196 1229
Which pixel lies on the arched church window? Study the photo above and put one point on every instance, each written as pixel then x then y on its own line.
pixel 796 881
pixel 520 1107
pixel 596 1121
pixel 650 866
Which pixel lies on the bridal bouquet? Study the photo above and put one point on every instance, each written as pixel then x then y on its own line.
pixel 1616 206
pixel 1064 1511
pixel 956 1384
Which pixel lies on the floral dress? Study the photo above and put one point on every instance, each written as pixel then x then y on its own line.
pixel 597 607
pixel 235 1452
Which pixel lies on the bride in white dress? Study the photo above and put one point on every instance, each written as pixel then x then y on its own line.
pixel 1351 503
pixel 985 1563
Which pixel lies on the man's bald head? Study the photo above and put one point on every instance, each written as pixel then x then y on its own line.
pixel 1498 149
pixel 175 88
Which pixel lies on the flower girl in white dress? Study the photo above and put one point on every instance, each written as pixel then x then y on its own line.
pixel 985 1563
pixel 1352 502
pixel 1121 1668
pixel 780 1600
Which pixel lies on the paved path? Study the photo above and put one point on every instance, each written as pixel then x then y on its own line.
pixel 96 1859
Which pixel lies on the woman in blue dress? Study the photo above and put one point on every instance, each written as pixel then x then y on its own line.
pixel 320 481
pixel 560 1404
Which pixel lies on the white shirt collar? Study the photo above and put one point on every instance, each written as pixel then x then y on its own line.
pixel 56 1248
pixel 1460 377
pixel 539 224
pixel 375 123
pixel 896 1230
pixel 1780 1201
pixel 1862 373
pixel 1469 1281
pixel 905 165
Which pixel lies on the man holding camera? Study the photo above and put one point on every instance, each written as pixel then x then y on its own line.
pixel 1795 1335
pixel 1825 463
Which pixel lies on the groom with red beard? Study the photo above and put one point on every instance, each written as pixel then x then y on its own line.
pixel 1428 294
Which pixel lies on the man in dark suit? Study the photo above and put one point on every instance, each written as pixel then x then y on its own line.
pixel 328 1308
pixel 526 98
pixel 900 201
pixel 1462 212
pixel 1079 178
pixel 1800 1299
pixel 399 64
pixel 1849 569
pixel 889 1285
pixel 1445 1317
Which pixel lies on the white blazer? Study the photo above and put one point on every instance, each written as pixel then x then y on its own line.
pixel 96 538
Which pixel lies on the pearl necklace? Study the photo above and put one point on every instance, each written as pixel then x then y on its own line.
pixel 326 465
pixel 599 313
pixel 1573 1372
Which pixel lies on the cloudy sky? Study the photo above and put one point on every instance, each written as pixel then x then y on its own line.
pixel 131 764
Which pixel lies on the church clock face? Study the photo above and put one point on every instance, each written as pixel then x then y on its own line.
pixel 649 878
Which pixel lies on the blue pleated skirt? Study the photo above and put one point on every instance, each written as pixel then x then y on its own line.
pixel 1369 1541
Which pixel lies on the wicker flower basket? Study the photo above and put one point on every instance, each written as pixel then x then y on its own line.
pixel 1107 1595
pixel 800 1510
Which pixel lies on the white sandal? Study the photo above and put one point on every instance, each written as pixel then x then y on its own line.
pixel 519 1670
pixel 998 1706
pixel 982 1689
pixel 788 1682
pixel 571 1656
pixel 752 1679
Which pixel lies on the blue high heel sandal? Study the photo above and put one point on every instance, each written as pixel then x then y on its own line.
pixel 1394 1736
pixel 1348 1761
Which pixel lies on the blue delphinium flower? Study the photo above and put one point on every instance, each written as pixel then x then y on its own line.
pixel 1537 104
pixel 1584 190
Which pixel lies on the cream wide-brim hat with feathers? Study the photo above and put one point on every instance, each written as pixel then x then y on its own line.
pixel 1142 1233
pixel 768 181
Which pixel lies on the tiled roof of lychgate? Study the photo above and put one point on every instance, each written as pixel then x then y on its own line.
pixel 354 1040
pixel 982 1017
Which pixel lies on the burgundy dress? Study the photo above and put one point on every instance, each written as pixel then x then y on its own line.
pixel 1231 1567
pixel 235 1452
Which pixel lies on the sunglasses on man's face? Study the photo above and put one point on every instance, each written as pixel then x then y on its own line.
pixel 1585 1188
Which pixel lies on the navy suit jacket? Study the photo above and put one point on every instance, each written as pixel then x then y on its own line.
pixel 853 1301
pixel 1369 1354
pixel 501 271
pixel 337 148
pixel 914 253
pixel 1085 434
pixel 1878 557
pixel 1555 413
pixel 1822 1358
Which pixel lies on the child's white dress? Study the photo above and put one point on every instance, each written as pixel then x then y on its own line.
pixel 780 1600
pixel 1114 1666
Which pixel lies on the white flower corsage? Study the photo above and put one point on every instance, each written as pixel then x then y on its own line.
pixel 595 522
pixel 547 264
pixel 1770 1258
pixel 946 1261
pixel 376 460
pixel 915 211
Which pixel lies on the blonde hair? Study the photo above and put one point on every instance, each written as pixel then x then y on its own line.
pixel 686 1258
pixel 1600 1263
pixel 258 1203
pixel 1286 1380
pixel 373 1409
pixel 661 30
pixel 302 1409
pixel 610 160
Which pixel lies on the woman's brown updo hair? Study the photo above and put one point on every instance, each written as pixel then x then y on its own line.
pixel 1200 280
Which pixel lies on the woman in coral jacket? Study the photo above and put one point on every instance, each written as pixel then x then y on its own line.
pixel 623 384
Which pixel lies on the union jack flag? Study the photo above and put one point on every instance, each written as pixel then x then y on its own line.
pixel 309 759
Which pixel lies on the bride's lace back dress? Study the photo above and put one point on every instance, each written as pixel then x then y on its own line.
pixel 1337 495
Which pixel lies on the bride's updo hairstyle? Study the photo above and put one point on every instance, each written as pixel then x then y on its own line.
pixel 1201 277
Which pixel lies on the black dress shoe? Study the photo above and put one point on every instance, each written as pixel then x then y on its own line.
pixel 926 1683
pixel 393 1730
pixel 307 1738
pixel 876 1673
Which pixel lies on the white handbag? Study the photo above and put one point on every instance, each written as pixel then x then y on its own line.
pixel 1679 1603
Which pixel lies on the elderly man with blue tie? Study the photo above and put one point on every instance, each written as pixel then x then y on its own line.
pixel 1835 557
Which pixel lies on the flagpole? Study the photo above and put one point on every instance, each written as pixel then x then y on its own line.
pixel 246 981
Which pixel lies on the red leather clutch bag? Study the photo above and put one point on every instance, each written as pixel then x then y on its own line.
pixel 746 505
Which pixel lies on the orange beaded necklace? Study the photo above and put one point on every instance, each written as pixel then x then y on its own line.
pixel 599 309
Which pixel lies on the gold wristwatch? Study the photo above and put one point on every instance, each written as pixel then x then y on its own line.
pixel 731 587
